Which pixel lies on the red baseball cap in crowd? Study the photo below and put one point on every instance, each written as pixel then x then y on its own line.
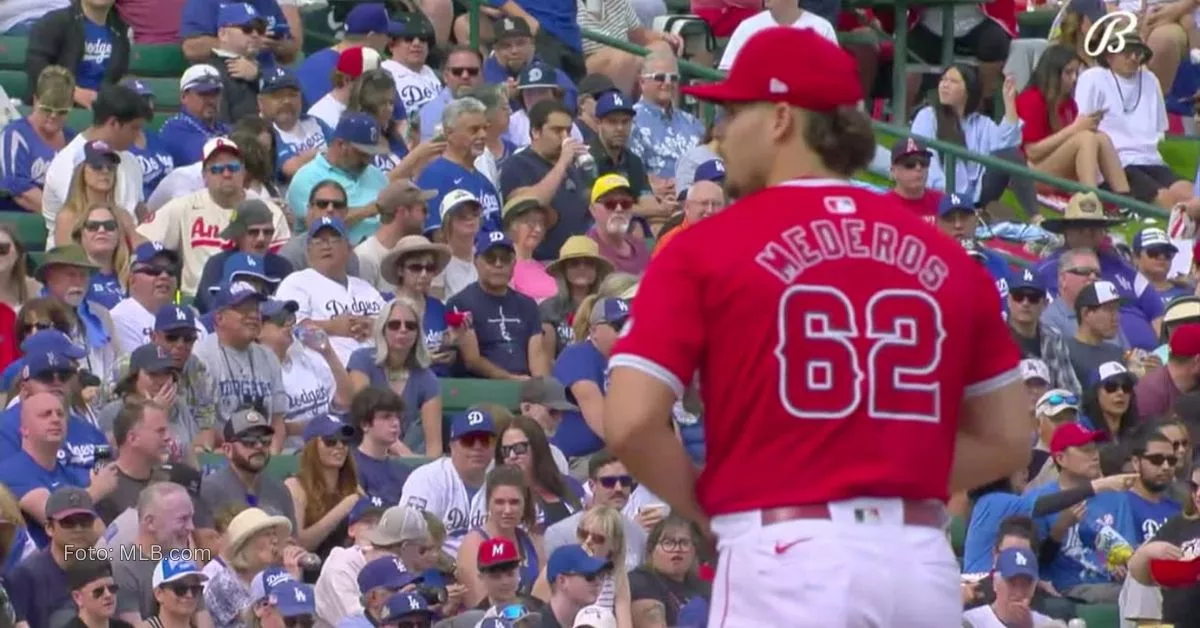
pixel 1175 573
pixel 495 552
pixel 766 70
pixel 1185 341
pixel 354 61
pixel 1073 435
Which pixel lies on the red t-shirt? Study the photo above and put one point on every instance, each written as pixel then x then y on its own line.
pixel 925 207
pixel 1033 111
pixel 835 338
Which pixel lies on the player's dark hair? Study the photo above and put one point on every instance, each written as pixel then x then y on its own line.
pixel 371 401
pixel 1019 526
pixel 598 461
pixel 541 111
pixel 843 139
pixel 120 103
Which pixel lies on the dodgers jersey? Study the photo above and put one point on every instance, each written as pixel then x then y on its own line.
pixel 831 330
pixel 437 488
pixel 321 298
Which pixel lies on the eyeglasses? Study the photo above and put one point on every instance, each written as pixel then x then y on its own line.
pixel 675 545
pixel 254 440
pixel 583 536
pixel 53 111
pixel 185 338
pixel 183 590
pixel 395 325
pixel 254 29
pixel 471 441
pixel 1084 271
pixel 418 268
pixel 515 449
pixel 102 166
pixel 326 203
pixel 499 258
pixel 155 271
pixel 335 440
pixel 303 621
pixel 100 225
pixel 613 205
pixel 912 163
pixel 98 592
pixel 1158 459
pixel 1032 298
pixel 461 71
pixel 261 232
pixel 662 77
pixel 611 481
pixel 54 377
pixel 220 169
pixel 1113 386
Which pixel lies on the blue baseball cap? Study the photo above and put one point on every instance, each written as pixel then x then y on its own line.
pixel 711 170
pixel 46 362
pixel 245 264
pixel 610 310
pixel 536 75
pixel 367 505
pixel 327 222
pixel 386 572
pixel 954 203
pixel 1152 238
pixel 368 18
pixel 52 341
pixel 488 240
pixel 278 78
pixel 403 605
pixel 272 308
pixel 1026 280
pixel 147 251
pixel 1091 9
pixel 151 358
pixel 139 86
pixel 266 581
pixel 326 426
pixel 473 421
pixel 234 293
pixel 573 560
pixel 613 102
pixel 167 571
pixel 237 14
pixel 1017 561
pixel 361 131
pixel 293 598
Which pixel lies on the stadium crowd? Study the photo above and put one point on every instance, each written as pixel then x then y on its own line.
pixel 230 377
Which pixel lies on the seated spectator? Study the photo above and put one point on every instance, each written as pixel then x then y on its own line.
pixel 1173 542
pixel 1150 504
pixel 366 25
pixel 667 581
pixel 590 89
pixel 251 231
pixel 461 218
pixel 706 151
pixel 314 379
pixel 1054 408
pixel 461 73
pixel 1158 392
pixel 152 379
pixel 526 221
pixel 351 64
pixel 200 22
pixel 609 484
pixel 523 444
pixel 440 487
pixel 185 180
pixel 1054 137
pixel 327 198
pixel 325 488
pixel 409 45
pixel 289 603
pixel 88 38
pixel 910 172
pixel 1015 584
pixel 199 119
pixel 614 116
pixel 374 94
pixel 578 271
pixel 152 285
pixel 513 52
pixel 612 209
pixel 704 197
pixel 346 161
pixel 581 367
pixel 510 513
pixel 497 147
pixel 36 315
pixel 985 33
pixel 618 19
pixel 1097 307
pixel 94 593
pixel 399 361
pixel 499 345
pixel 664 132
pixel 244 480
pixel 500 573
pixel 1180 311
pixel 601 533
pixel 549 171
pixel 64 275
pixel 574 578
pixel 178 590
pixel 1109 402
pixel 298 137
pixel 536 84
pixel 956 218
pixel 378 581
pixel 118 114
pixel 240 33
pixel 402 211
pixel 106 242
pixel 194 225
pixel 93 182
pixel 378 415
pixel 1152 255
pixel 775 13
pixel 38 586
pixel 254 541
pixel 408 610
pixel 465 131
pixel 1076 270
pixel 412 265
pixel 30 143
pixel 159 502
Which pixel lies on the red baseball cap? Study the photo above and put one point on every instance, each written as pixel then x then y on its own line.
pixel 1185 341
pixel 354 61
pixel 497 551
pixel 1073 435
pixel 765 70
pixel 1175 573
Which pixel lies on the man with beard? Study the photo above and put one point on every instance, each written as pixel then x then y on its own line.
pixel 186 133
pixel 299 138
pixel 612 207
pixel 64 274
pixel 244 480
pixel 1155 461
pixel 465 127
pixel 513 52
pixel 610 149
pixel 240 31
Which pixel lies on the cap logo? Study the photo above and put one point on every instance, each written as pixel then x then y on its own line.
pixel 180 315
pixel 497 550
pixel 618 101
pixel 509 24
pixel 495 236
pixel 1021 560
pixel 624 307
pixel 1117 26
pixel 51 360
pixel 535 74
pixel 474 417
pixel 720 166
pixel 1028 275
pixel 776 86
pixel 300 597
pixel 375 501
pixel 911 146
pixel 254 417
pixel 250 262
pixel 102 145
pixel 413 604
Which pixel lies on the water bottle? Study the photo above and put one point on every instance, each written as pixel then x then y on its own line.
pixel 310 336
pixel 1107 541
pixel 586 163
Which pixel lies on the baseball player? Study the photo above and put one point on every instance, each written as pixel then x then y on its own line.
pixel 852 361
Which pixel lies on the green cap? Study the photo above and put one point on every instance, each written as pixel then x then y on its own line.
pixel 69 255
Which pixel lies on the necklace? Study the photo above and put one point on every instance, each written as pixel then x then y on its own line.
pixel 1120 94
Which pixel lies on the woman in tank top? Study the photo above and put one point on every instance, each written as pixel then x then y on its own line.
pixel 510 514
pixel 523 444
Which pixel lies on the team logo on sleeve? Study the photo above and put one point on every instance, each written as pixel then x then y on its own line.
pixel 840 205
pixel 417 502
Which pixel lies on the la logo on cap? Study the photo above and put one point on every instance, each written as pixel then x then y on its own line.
pixel 180 315
pixel 1021 560
pixel 617 100
pixel 413 604
pixel 509 24
pixel 720 166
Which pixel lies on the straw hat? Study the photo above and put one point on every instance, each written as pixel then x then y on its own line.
pixel 389 268
pixel 524 203
pixel 580 247
pixel 1084 209
pixel 249 522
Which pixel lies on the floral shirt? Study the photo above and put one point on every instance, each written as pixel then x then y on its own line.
pixel 226 596
pixel 661 136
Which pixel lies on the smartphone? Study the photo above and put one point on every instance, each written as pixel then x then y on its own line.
pixel 103 455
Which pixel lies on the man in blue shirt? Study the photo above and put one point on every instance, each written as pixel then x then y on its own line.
pixel 462 73
pixel 1085 568
pixel 582 367
pixel 466 138
pixel 956 218
pixel 88 38
pixel 1155 462
pixel 198 30
pixel 366 25
pixel 512 52
pixel 377 412
pixel 557 37
pixel 662 132
pixel 198 120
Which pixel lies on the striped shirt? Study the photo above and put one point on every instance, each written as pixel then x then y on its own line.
pixel 615 19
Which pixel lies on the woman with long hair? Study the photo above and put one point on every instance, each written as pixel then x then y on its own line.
pixel 94 182
pixel 1110 402
pixel 526 221
pixel 1055 138
pixel 400 361
pixel 578 272
pixel 106 243
pixel 252 541
pixel 38 314
pixel 15 543
pixel 256 140
pixel 954 118
pixel 601 533
pixel 16 286
pixel 411 267
pixel 668 576
pixel 325 489
pixel 510 515
pixel 523 444
pixel 29 144
pixel 374 93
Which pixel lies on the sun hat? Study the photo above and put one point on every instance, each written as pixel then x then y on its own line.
pixel 580 247
pixel 389 268
pixel 1083 208
pixel 525 203
pixel 250 522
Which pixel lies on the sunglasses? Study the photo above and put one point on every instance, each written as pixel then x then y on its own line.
pixel 1084 271
pixel 221 169
pixel 1032 298
pixel 102 166
pixel 325 203
pixel 1158 459
pixel 100 225
pixel 35 327
pixel 251 440
pixel 1159 254
pixel 53 111
pixel 76 522
pixel 261 232
pixel 5 248
pixel 304 621
pixel 613 205
pixel 471 71
pixel 471 441
pixel 584 535
pixel 406 325
pixel 1113 386
pixel 590 577
pixel 611 481
pixel 334 441
pixel 499 258
pixel 1057 399
pixel 418 268
pixel 515 449
pixel 155 271
pixel 98 592
pixel 54 377
pixel 254 29
pixel 183 590
pixel 173 338
pixel 912 163
pixel 662 77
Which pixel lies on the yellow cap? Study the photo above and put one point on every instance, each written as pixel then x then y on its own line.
pixel 608 183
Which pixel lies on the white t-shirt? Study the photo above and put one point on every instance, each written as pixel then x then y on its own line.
pixel 191 226
pixel 134 324
pixel 62 170
pixel 413 88
pixel 321 298
pixel 308 384
pixel 328 109
pixel 370 256
pixel 458 274
pixel 1135 118
pixel 985 617
pixel 763 21
pixel 437 488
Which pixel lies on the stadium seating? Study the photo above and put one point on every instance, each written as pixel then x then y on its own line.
pixel 157 60
pixel 12 52
pixel 15 84
pixel 30 228
pixel 166 92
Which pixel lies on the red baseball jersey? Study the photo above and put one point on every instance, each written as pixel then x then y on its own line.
pixel 835 336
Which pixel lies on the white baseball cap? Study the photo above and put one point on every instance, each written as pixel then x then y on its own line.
pixel 1110 369
pixel 1055 401
pixel 453 199
pixel 202 77
pixel 1033 368
pixel 219 144
pixel 594 617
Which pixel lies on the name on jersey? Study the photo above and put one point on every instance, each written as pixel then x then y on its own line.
pixel 358 307
pixel 457 521
pixel 800 248
pixel 82 454
pixel 204 234
pixel 156 166
pixel 307 402
pixel 413 95
pixel 97 50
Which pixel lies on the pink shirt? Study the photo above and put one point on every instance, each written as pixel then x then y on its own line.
pixel 152 21
pixel 531 279
pixel 634 264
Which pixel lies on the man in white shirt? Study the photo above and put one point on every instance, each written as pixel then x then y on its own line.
pixel 416 82
pixel 776 13
pixel 1016 581
pixel 342 305
pixel 402 210
pixel 118 114
pixel 152 284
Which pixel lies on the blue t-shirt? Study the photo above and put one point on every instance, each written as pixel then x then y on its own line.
pixel 502 324
pixel 97 50
pixel 986 515
pixel 1078 561
pixel 1138 308
pixel 199 18
pixel 104 289
pixel 315 74
pixel 422 387
pixel 445 176
pixel 21 474
pixel 381 478
pixel 1172 293
pixel 1149 516
pixel 557 18
pixel 361 191
pixel 38 589
pixel 434 324
pixel 156 161
pixel 78 452
pixel 185 135
pixel 579 361
pixel 24 160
